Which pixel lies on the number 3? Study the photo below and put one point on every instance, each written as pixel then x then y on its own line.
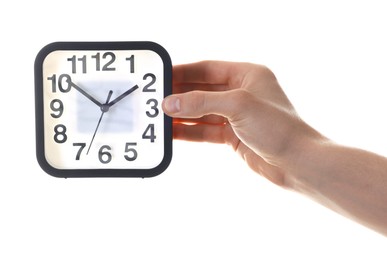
pixel 153 107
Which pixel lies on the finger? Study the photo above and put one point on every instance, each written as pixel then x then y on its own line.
pixel 207 120
pixel 196 104
pixel 186 87
pixel 203 133
pixel 208 72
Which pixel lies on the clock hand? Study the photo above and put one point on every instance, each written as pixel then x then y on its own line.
pixel 104 108
pixel 85 94
pixel 111 103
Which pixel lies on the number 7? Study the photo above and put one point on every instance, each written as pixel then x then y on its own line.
pixel 81 147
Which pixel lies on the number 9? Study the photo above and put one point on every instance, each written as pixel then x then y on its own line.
pixel 57 107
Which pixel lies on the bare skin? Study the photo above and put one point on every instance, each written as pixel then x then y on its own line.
pixel 243 105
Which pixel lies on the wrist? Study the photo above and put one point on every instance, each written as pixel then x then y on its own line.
pixel 306 152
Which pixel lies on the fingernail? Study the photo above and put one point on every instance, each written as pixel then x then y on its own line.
pixel 172 104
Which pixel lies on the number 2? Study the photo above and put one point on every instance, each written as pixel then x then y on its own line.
pixel 147 86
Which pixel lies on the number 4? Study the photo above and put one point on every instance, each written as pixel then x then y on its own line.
pixel 149 133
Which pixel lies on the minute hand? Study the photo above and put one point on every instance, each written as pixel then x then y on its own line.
pixel 122 95
pixel 86 94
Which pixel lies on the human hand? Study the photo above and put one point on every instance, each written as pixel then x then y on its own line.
pixel 242 105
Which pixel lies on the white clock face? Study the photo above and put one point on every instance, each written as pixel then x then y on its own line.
pixel 102 109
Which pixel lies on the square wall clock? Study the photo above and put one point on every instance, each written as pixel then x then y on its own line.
pixel 98 109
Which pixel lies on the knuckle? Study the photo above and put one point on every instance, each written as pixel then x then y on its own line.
pixel 239 98
pixel 262 72
pixel 265 71
pixel 238 101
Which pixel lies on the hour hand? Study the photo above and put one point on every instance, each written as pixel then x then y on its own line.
pixel 122 95
pixel 85 94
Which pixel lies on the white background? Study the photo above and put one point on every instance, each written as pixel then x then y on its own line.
pixel 329 56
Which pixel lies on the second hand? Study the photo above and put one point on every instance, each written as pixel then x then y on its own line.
pixel 104 108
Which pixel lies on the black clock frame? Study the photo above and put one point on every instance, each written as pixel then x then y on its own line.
pixel 39 116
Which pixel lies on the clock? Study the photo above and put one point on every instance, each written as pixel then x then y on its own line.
pixel 98 109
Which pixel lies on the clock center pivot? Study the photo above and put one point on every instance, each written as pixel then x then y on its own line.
pixel 105 108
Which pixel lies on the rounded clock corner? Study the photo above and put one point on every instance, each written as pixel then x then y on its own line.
pixel 47 49
pixel 157 48
pixel 160 50
pixel 162 167
pixel 47 168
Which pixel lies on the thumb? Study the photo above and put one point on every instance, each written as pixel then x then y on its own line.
pixel 196 104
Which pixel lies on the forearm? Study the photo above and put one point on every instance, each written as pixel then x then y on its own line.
pixel 350 181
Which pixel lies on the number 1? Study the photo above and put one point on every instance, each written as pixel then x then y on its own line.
pixel 131 60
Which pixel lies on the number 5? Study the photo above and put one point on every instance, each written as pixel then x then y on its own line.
pixel 129 149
